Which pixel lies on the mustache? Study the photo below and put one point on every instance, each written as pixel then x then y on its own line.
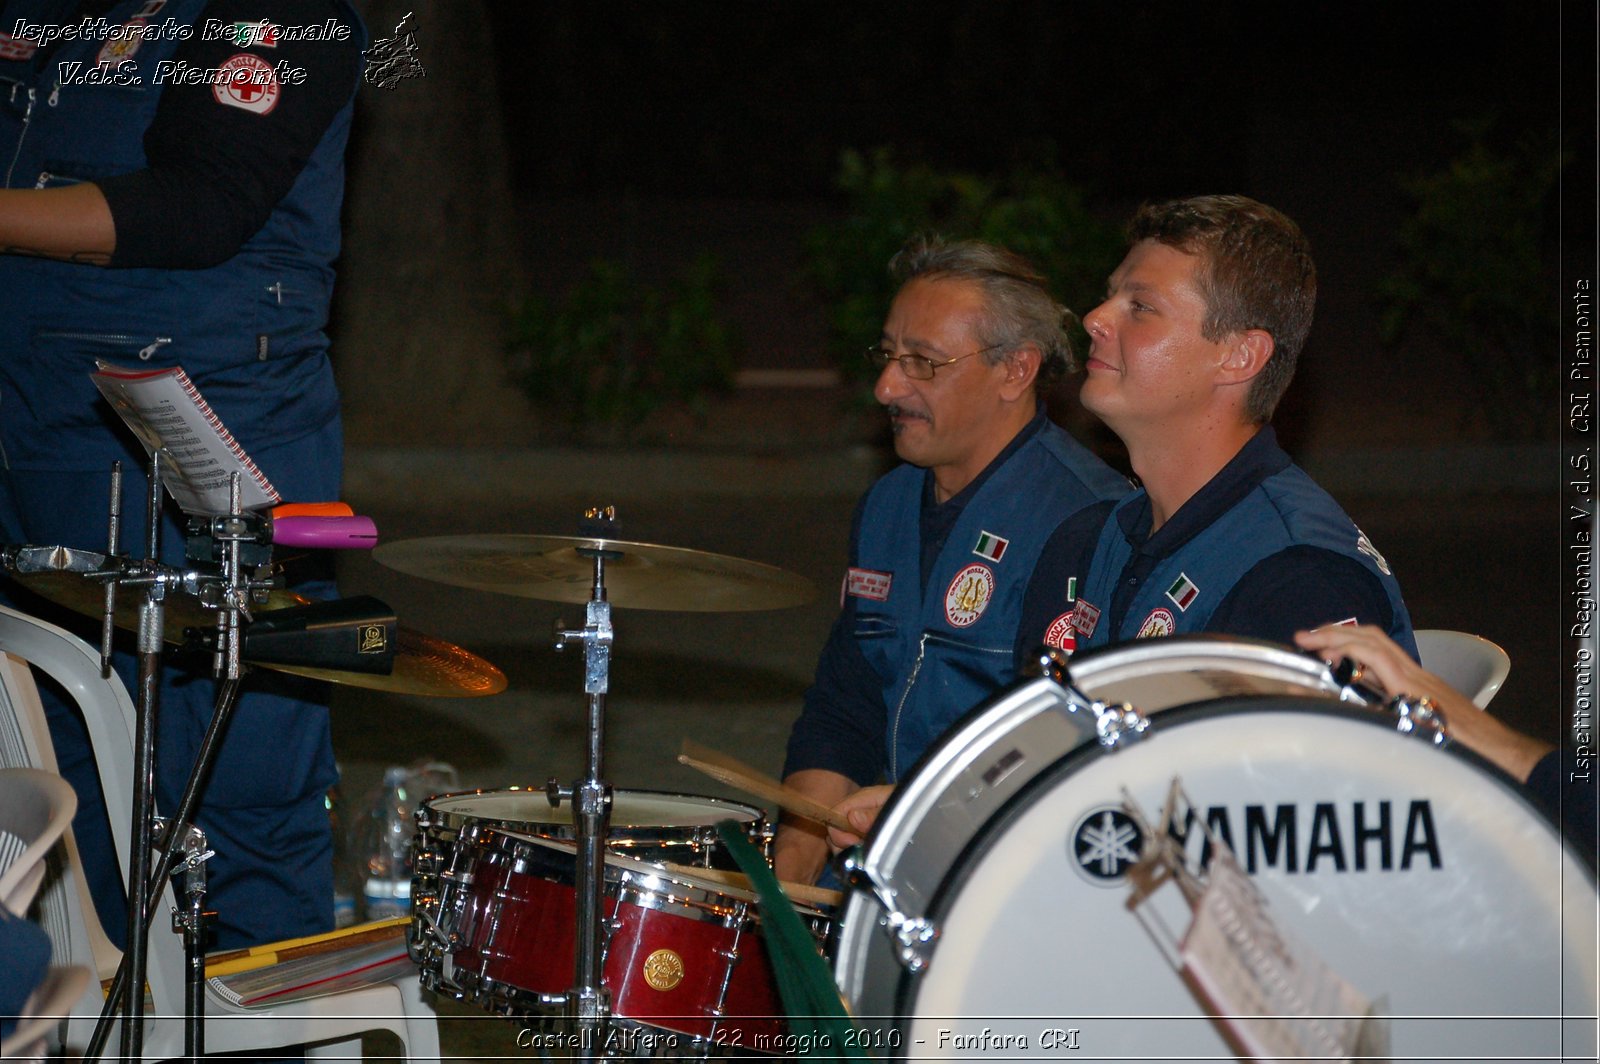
pixel 896 410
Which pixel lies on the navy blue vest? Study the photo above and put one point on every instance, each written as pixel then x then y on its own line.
pixel 941 653
pixel 1286 509
pixel 248 331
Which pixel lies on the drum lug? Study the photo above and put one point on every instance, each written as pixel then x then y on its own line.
pixel 1116 725
pixel 1420 717
pixel 913 937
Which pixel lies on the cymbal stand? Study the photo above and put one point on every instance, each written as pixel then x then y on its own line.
pixel 144 884
pixel 190 922
pixel 588 1003
pixel 151 621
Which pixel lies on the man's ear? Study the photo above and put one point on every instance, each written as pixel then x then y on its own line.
pixel 1246 356
pixel 1022 369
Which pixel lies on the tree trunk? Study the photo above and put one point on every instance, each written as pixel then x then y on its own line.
pixel 430 258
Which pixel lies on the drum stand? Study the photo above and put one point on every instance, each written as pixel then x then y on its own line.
pixel 176 835
pixel 588 1004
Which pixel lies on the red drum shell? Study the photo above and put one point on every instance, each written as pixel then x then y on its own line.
pixel 683 954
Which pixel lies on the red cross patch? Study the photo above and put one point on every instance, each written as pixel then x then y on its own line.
pixel 1062 634
pixel 249 84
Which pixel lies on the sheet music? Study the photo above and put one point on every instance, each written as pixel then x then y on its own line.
pixel 1275 997
pixel 167 413
pixel 1272 996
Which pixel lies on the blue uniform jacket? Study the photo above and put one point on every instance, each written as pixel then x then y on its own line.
pixel 939 651
pixel 1282 510
pixel 247 331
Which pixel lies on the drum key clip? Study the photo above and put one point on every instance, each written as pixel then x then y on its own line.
pixel 912 937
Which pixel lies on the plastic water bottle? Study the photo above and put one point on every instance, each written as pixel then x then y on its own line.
pixel 346 881
pixel 386 832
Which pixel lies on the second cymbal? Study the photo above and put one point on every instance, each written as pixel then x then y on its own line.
pixel 423 665
pixel 561 569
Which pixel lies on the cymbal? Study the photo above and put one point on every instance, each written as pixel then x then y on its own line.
pixel 423 665
pixel 644 576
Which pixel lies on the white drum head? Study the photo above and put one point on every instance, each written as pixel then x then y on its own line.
pixel 1421 876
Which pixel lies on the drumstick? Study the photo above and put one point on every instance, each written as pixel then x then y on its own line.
pixel 796 891
pixel 736 773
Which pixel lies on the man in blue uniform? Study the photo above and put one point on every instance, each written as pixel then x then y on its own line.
pixel 173 172
pixel 943 546
pixel 1189 354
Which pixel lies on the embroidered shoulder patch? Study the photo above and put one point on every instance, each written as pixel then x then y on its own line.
pixel 968 595
pixel 1061 634
pixel 1364 545
pixel 1183 592
pixel 868 584
pixel 1159 623
pixel 249 84
pixel 990 546
pixel 1085 618
pixel 16 47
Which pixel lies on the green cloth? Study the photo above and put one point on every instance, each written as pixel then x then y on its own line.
pixel 819 1023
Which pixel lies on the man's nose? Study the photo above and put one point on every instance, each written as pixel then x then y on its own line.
pixel 892 383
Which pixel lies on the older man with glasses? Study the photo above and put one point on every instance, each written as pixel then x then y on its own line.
pixel 943 546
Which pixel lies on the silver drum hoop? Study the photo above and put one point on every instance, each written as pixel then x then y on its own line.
pixel 1418 874
pixel 994 751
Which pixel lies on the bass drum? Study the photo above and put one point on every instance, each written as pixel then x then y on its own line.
pixel 1420 875
pixel 996 750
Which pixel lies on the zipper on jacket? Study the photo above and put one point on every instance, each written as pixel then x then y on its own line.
pixel 27 117
pixel 114 338
pixel 894 730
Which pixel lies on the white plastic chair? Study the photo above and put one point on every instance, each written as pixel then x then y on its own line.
pixel 325 1025
pixel 35 808
pixel 1469 663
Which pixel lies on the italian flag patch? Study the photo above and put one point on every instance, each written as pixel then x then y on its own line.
pixel 1183 592
pixel 990 546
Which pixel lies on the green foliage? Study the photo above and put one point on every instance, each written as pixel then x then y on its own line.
pixel 613 351
pixel 1477 266
pixel 1031 211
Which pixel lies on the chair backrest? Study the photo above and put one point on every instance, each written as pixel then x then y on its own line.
pixel 108 715
pixel 1469 663
pixel 35 808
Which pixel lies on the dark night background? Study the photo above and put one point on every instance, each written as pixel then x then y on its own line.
pixel 645 132
pixel 548 134
pixel 1134 100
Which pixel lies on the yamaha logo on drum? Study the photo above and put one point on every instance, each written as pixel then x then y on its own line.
pixel 1359 836
pixel 1105 844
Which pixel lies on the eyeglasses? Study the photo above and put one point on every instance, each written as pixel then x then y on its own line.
pixel 917 367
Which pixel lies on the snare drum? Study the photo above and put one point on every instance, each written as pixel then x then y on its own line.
pixel 683 954
pixel 992 753
pixel 649 825
pixel 1422 876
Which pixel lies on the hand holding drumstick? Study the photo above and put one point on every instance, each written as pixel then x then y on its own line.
pixel 1382 660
